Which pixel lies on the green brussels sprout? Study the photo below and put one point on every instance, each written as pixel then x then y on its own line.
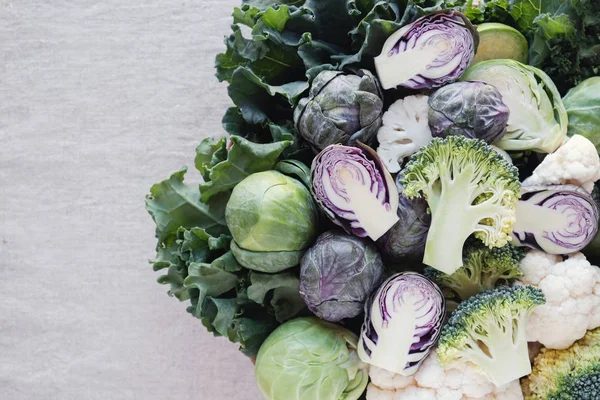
pixel 583 108
pixel 272 219
pixel 308 359
pixel 537 120
pixel 340 109
pixel 499 41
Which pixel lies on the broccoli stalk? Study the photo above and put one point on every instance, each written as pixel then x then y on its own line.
pixel 483 268
pixel 470 189
pixel 488 330
pixel 573 373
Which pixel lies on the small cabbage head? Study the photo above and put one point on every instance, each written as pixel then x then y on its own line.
pixel 337 275
pixel 499 41
pixel 340 109
pixel 308 359
pixel 407 238
pixel 538 119
pixel 272 219
pixel 471 109
pixel 583 108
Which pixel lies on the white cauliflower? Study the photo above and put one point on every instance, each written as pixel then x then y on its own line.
pixel 432 382
pixel 404 131
pixel 575 162
pixel 572 290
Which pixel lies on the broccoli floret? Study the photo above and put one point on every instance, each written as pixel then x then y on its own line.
pixel 489 330
pixel 569 374
pixel 483 268
pixel 469 188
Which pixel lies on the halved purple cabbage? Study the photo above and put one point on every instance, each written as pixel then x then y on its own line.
pixel 354 190
pixel 434 50
pixel 403 322
pixel 555 219
pixel 338 274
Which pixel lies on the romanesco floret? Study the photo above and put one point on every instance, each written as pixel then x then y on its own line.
pixel 483 268
pixel 572 291
pixel 571 374
pixel 488 330
pixel 470 189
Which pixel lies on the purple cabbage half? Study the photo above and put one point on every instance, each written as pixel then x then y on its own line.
pixel 432 51
pixel 403 322
pixel 471 109
pixel 355 190
pixel 338 274
pixel 555 219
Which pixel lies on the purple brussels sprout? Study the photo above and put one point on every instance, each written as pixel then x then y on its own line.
pixel 555 219
pixel 354 190
pixel 341 108
pixel 403 322
pixel 471 109
pixel 338 274
pixel 432 51
pixel 407 238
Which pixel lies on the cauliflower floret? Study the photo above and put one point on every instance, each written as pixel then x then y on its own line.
pixel 512 391
pixel 404 131
pixel 575 162
pixel 388 380
pixel 572 290
pixel 432 382
pixel 409 393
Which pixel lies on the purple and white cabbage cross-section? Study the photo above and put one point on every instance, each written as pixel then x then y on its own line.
pixel 556 219
pixel 403 321
pixel 354 190
pixel 433 50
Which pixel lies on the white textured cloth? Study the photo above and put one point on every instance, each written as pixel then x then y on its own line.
pixel 98 100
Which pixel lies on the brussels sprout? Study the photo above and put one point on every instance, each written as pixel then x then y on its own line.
pixel 583 108
pixel 275 261
pixel 272 219
pixel 408 236
pixel 340 109
pixel 434 50
pixel 538 119
pixel 308 359
pixel 337 275
pixel 499 41
pixel 471 109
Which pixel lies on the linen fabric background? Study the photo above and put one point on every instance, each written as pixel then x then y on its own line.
pixel 98 101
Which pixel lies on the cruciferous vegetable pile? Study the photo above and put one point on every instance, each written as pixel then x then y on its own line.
pixel 406 204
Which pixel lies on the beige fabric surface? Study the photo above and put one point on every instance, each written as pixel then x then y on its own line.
pixel 98 100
